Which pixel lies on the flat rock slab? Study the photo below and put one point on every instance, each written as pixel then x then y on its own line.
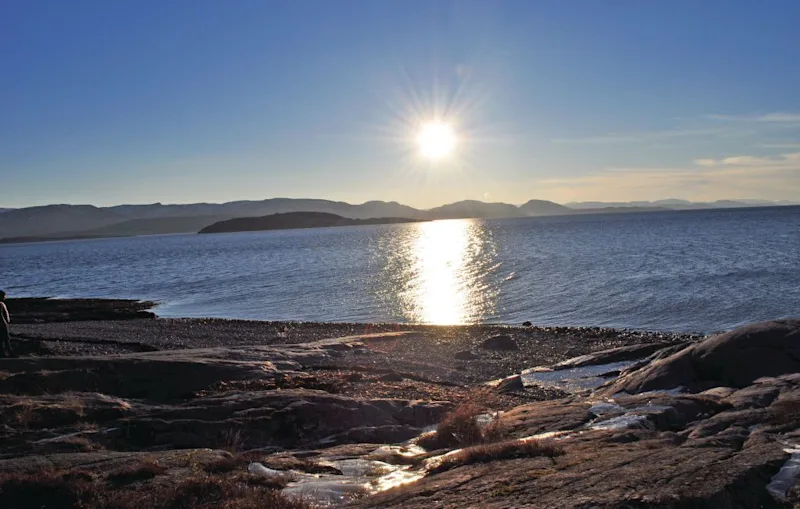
pixel 168 374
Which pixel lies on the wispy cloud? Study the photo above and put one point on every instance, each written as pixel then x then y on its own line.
pixel 775 178
pixel 709 127
pixel 783 159
pixel 652 136
pixel 776 117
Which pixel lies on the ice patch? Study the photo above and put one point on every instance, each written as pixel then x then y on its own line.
pixel 601 409
pixel 484 420
pixel 358 477
pixel 260 470
pixel 787 476
pixel 409 451
pixel 627 421
pixel 669 392
pixel 574 379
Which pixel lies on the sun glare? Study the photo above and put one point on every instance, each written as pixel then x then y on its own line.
pixel 436 140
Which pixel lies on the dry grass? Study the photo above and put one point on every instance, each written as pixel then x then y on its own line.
pixel 460 428
pixel 486 453
pixel 142 471
pixel 48 489
pixel 232 462
pixel 82 490
pixel 76 444
pixel 276 482
pixel 215 492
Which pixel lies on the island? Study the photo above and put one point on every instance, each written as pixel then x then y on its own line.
pixel 294 220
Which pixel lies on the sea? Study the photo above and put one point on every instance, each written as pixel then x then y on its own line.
pixel 682 271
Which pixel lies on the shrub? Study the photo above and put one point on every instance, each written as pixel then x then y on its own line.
pixel 208 492
pixel 47 489
pixel 80 490
pixel 142 471
pixel 486 453
pixel 460 428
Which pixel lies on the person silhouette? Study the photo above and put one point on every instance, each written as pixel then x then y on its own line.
pixel 5 318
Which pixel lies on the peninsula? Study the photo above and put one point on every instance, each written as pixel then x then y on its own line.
pixel 293 220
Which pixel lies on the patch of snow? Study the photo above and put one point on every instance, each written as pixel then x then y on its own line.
pixel 669 392
pixel 409 450
pixel 622 422
pixel 484 420
pixel 574 379
pixel 260 470
pixel 600 409
pixel 358 477
pixel 787 476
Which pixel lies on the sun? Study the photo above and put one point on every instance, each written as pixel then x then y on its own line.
pixel 436 140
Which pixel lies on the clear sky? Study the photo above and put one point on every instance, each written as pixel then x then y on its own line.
pixel 179 101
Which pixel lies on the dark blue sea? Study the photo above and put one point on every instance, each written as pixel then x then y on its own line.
pixel 699 271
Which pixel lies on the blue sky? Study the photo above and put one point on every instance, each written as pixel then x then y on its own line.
pixel 190 100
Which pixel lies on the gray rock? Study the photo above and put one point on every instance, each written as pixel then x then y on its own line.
pixel 465 355
pixel 734 359
pixel 500 342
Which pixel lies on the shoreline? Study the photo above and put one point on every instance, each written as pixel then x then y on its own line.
pixel 115 308
pixel 136 407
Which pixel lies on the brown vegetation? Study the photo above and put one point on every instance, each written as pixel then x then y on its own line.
pixel 142 471
pixel 82 490
pixel 460 428
pixel 509 449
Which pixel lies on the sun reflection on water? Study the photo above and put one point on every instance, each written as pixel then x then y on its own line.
pixel 445 268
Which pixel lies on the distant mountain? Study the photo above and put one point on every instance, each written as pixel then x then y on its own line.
pixel 154 226
pixel 4 210
pixel 543 208
pixel 473 208
pixel 53 219
pixel 77 221
pixel 675 204
pixel 291 220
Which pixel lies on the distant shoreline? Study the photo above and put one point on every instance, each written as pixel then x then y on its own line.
pixel 296 220
pixel 78 222
pixel 607 212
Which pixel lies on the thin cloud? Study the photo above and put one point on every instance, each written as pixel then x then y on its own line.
pixel 651 136
pixel 776 117
pixel 774 178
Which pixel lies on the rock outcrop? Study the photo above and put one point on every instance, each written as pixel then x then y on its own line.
pixel 735 359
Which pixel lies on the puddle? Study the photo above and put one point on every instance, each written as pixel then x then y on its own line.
pixel 359 477
pixel 787 476
pixel 574 379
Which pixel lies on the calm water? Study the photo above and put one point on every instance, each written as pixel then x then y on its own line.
pixel 683 271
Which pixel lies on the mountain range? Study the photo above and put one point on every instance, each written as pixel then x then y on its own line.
pixel 77 221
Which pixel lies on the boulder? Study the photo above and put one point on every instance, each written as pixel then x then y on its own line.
pixel 465 355
pixel 510 384
pixel 623 353
pixel 500 342
pixel 734 359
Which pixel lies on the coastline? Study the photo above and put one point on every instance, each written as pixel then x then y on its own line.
pixel 113 406
pixel 119 326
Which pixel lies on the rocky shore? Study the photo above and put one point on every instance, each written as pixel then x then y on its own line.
pixel 107 405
